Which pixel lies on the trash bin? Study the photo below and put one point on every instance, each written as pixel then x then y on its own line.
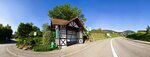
pixel 52 45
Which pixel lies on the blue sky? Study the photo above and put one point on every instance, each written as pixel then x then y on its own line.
pixel 116 15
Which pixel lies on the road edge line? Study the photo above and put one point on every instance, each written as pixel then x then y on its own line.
pixel 112 49
pixel 7 49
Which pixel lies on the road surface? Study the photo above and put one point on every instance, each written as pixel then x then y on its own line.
pixel 115 47
pixel 3 51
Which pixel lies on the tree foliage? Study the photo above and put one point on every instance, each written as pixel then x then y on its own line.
pixel 24 29
pixel 148 30
pixel 5 33
pixel 46 27
pixel 141 36
pixel 48 37
pixel 128 32
pixel 66 12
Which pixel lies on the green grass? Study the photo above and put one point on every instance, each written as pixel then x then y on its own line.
pixel 41 48
pixel 102 36
pixel 98 36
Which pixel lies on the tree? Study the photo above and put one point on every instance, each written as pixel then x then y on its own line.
pixel 45 27
pixel 48 37
pixel 148 30
pixel 35 28
pixel 5 33
pixel 128 32
pixel 26 29
pixel 8 32
pixel 66 12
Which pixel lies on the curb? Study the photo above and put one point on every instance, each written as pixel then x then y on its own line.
pixel 17 55
pixel 86 47
pixel 7 49
pixel 138 41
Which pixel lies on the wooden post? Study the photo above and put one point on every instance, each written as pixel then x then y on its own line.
pixel 80 41
pixel 63 39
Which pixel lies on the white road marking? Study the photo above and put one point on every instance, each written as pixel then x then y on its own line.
pixel 112 48
pixel 13 53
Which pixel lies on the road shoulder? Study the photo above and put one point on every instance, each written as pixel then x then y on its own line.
pixel 138 41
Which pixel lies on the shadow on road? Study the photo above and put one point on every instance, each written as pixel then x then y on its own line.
pixel 9 42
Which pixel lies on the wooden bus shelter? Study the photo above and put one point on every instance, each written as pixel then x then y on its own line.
pixel 67 32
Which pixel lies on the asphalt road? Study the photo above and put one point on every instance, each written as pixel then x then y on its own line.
pixel 3 51
pixel 113 47
pixel 116 47
pixel 127 48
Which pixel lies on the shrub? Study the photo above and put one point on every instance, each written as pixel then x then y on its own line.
pixel 137 36
pixel 19 41
pixel 38 40
pixel 38 43
pixel 140 36
pixel 48 37
pixel 146 37
pixel 1 41
pixel 29 41
pixel 42 48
